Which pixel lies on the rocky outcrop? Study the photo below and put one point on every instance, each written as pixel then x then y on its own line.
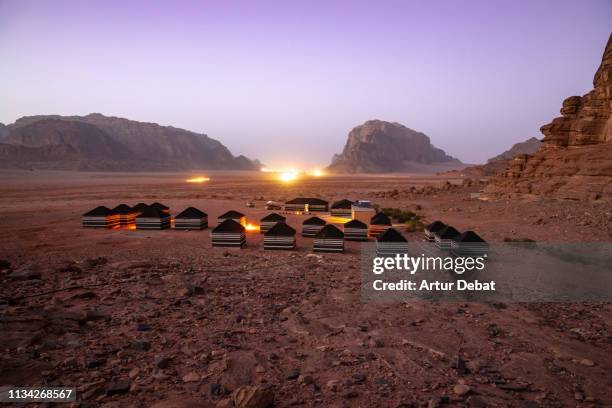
pixel 500 162
pixel 384 147
pixel 575 159
pixel 97 142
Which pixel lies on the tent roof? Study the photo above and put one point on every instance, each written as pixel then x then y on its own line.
pixel 140 206
pixel 468 236
pixel 280 229
pixel 273 217
pixel 232 214
pixel 123 209
pixel 314 221
pixel 342 204
pixel 391 235
pixel 228 225
pixel 355 224
pixel 159 206
pixel 436 226
pixel 380 219
pixel 307 200
pixel 448 232
pixel 152 212
pixel 330 231
pixel 191 212
pixel 100 211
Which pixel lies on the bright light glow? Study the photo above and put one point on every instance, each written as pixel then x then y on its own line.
pixel 288 176
pixel 251 227
pixel 197 179
pixel 317 173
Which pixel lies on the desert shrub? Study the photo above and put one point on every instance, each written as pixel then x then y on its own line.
pixel 400 215
pixel 414 226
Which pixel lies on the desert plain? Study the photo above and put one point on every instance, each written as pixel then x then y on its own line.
pixel 138 318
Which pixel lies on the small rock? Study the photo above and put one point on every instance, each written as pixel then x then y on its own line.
pixel 24 274
pixel 118 387
pixel 143 327
pixel 191 377
pixel 4 265
pixel 260 369
pixel 141 345
pixel 587 362
pixel 252 397
pixel 305 379
pixel 161 361
pixel 461 389
pixel 359 378
pixel 293 374
pixel 134 372
pixel 332 385
pixel 350 394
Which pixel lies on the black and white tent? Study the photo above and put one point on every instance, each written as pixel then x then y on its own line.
pixel 269 221
pixel 379 223
pixel 127 215
pixel 390 243
pixel 153 218
pixel 444 237
pixel 469 244
pixel 355 230
pixel 237 216
pixel 140 207
pixel 306 204
pixel 431 229
pixel 100 217
pixel 329 239
pixel 312 226
pixel 161 207
pixel 341 208
pixel 228 234
pixel 280 236
pixel 191 219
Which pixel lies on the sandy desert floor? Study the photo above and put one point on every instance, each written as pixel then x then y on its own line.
pixel 132 318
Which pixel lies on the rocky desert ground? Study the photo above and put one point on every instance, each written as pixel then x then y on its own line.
pixel 160 318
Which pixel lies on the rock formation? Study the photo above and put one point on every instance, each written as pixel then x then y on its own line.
pixel 97 142
pixel 384 147
pixel 575 160
pixel 500 162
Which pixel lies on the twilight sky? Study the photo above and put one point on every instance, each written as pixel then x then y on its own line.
pixel 285 81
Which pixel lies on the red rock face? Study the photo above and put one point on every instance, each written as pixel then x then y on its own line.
pixel 575 160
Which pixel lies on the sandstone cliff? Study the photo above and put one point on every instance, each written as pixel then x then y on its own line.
pixel 575 160
pixel 97 142
pixel 384 147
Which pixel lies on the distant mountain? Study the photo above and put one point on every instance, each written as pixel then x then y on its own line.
pixel 98 142
pixel 383 147
pixel 500 162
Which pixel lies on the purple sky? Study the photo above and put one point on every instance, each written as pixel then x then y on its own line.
pixel 285 81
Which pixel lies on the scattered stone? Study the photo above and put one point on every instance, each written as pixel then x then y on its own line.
pixel 359 378
pixel 161 361
pixel 134 372
pixel 141 345
pixel 24 274
pixel 180 401
pixel 252 397
pixel 217 389
pixel 118 387
pixel 350 394
pixel 461 389
pixel 143 327
pixel 586 362
pixel 260 369
pixel 191 377
pixel 305 379
pixel 332 385
pixel 293 374
pixel 95 363
pixel 4 265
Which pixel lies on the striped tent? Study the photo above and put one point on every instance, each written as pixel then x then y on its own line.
pixel 269 221
pixel 127 215
pixel 379 223
pixel 280 236
pixel 390 243
pixel 329 239
pixel 100 217
pixel 444 237
pixel 306 204
pixel 191 219
pixel 355 230
pixel 237 216
pixel 153 218
pixel 341 208
pixel 228 234
pixel 161 207
pixel 312 226
pixel 431 229
pixel 469 243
